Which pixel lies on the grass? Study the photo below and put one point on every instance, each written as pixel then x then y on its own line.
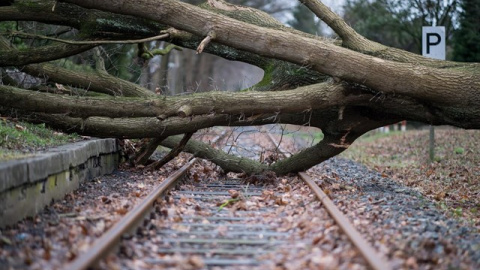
pixel 452 180
pixel 21 139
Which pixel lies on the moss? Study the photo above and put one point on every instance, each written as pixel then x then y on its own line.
pixel 267 77
pixel 18 139
pixel 6 154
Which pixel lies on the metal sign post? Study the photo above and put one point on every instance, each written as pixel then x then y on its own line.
pixel 433 46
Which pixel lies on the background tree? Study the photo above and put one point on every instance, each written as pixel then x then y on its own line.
pixel 304 20
pixel 466 46
pixel 399 23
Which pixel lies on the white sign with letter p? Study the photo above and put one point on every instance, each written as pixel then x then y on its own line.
pixel 433 42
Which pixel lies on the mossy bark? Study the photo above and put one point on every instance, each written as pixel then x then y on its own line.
pixel 345 91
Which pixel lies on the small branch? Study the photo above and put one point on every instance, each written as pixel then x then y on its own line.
pixel 146 54
pixel 184 111
pixel 166 50
pixel 99 61
pixel 340 112
pixel 89 42
pixel 172 154
pixel 211 36
pixel 147 150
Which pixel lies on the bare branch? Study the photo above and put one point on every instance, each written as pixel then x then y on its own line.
pixel 172 154
pixel 86 42
pixel 353 40
pixel 211 36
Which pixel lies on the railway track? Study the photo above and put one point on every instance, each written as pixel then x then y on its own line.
pixel 215 223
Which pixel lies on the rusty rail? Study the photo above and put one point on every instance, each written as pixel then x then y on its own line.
pixel 105 244
pixel 374 259
pixel 371 256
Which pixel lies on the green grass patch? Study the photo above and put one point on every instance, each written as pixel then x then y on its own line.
pixel 459 150
pixel 21 139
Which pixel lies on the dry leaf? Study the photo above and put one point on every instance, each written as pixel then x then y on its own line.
pixel 233 193
pixel 20 128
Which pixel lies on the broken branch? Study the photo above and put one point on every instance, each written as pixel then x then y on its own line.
pixel 211 36
pixel 172 154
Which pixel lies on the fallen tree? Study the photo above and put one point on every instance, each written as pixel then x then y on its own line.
pixel 344 88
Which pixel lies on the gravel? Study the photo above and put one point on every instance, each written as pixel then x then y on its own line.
pixel 404 225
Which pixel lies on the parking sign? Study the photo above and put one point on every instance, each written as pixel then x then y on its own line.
pixel 433 42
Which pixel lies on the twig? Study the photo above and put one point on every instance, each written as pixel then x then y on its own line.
pixel 89 42
pixel 211 36
pixel 142 156
pixel 99 61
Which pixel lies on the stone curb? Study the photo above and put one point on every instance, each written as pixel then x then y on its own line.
pixel 27 185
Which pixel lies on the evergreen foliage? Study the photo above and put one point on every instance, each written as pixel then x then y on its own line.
pixel 304 20
pixel 466 47
pixel 399 23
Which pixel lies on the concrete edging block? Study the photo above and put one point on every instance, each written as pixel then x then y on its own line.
pixel 27 185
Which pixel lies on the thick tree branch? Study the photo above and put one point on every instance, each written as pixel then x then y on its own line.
pixel 416 81
pixel 101 82
pixel 13 57
pixel 92 23
pixel 351 39
pixel 320 96
pixel 134 128
pixel 172 154
pixel 329 147
pixel 249 105
pixel 149 147
pixel 228 163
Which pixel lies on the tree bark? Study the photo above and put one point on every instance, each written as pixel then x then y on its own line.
pixel 249 103
pixel 345 91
